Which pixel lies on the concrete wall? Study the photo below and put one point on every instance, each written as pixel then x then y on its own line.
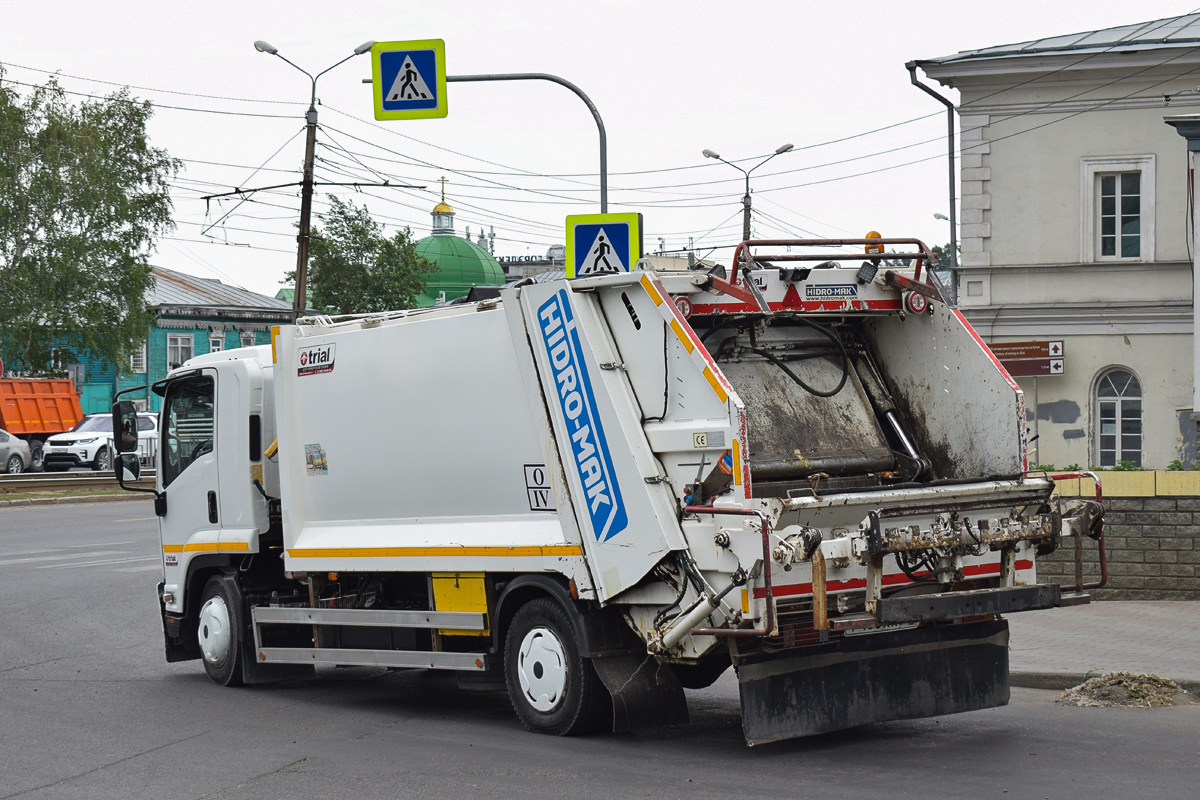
pixel 1152 534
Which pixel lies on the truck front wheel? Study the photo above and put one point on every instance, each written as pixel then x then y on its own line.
pixel 219 632
pixel 552 687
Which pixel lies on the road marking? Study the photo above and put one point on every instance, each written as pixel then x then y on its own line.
pixel 65 549
pixel 135 519
pixel 98 563
pixel 147 568
pixel 62 557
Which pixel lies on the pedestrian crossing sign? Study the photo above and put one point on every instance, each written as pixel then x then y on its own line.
pixel 599 244
pixel 409 79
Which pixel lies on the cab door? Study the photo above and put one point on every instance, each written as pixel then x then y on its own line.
pixel 187 472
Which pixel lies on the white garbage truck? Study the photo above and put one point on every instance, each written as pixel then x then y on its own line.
pixel 600 492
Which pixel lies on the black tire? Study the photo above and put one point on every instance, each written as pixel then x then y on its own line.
pixel 35 457
pixel 220 622
pixel 14 466
pixel 542 644
pixel 101 461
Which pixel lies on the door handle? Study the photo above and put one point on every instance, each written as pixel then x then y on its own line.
pixel 212 507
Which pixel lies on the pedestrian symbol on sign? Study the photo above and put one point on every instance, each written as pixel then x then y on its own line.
pixel 409 85
pixel 597 262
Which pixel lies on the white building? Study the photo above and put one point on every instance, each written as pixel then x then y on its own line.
pixel 1075 227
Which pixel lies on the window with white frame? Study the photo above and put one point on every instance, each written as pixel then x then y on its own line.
pixel 1119 418
pixel 247 338
pixel 1117 201
pixel 216 341
pixel 137 360
pixel 179 349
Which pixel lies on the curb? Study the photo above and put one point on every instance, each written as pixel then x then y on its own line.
pixel 54 501
pixel 1060 681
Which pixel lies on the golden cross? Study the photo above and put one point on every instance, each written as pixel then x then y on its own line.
pixel 442 180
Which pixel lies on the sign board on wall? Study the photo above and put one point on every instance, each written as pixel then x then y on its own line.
pixel 1031 359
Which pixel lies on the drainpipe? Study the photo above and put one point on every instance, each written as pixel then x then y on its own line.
pixel 912 73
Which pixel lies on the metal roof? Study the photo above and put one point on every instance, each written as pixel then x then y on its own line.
pixel 1179 31
pixel 176 289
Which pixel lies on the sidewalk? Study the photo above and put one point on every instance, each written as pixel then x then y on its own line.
pixel 1061 647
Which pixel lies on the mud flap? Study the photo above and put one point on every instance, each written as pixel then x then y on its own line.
pixel 645 693
pixel 923 672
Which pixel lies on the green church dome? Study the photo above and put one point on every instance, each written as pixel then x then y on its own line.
pixel 461 263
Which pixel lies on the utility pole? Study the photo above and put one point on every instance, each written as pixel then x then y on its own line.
pixel 300 302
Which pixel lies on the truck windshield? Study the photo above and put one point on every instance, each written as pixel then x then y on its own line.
pixel 187 425
pixel 97 422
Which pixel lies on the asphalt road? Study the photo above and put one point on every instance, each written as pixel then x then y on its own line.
pixel 90 709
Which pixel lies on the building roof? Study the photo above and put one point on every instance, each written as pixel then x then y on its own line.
pixel 461 265
pixel 1182 31
pixel 176 294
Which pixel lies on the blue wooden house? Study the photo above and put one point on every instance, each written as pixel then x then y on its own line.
pixel 192 316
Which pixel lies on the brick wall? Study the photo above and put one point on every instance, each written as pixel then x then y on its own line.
pixel 1152 536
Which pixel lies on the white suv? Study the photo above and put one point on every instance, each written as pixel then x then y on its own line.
pixel 90 443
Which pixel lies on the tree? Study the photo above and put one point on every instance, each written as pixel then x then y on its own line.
pixel 942 251
pixel 83 197
pixel 355 269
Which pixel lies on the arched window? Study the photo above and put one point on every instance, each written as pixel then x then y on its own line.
pixel 1119 412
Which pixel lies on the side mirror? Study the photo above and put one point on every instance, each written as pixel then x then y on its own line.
pixel 125 427
pixel 129 468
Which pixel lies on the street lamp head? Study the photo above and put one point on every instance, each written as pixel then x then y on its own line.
pixel 941 216
pixel 266 47
pixel 364 47
pixel 783 148
pixel 710 154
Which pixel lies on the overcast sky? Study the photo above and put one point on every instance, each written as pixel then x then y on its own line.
pixel 669 78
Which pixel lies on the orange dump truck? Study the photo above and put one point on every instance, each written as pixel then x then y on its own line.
pixel 35 408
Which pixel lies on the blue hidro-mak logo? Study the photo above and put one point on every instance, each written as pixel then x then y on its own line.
pixel 589 447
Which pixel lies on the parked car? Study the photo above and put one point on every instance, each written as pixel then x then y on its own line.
pixel 15 456
pixel 90 443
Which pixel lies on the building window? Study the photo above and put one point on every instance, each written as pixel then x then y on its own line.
pixel 216 342
pixel 1117 202
pixel 1119 412
pixel 137 361
pixel 1120 214
pixel 247 338
pixel 179 349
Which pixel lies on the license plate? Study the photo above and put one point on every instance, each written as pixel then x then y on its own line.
pixel 58 449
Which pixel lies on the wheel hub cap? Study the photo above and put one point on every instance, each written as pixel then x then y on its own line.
pixel 214 630
pixel 542 669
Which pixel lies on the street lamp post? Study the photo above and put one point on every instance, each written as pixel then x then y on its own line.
pixel 746 198
pixel 300 302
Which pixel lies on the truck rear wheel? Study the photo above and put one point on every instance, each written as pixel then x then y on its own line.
pixel 35 456
pixel 220 633
pixel 552 687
